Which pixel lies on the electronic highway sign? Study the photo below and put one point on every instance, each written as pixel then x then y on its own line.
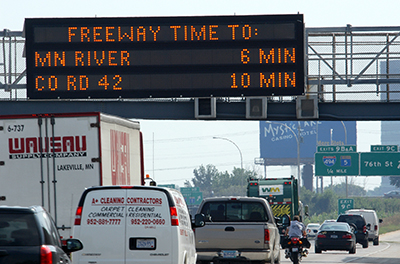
pixel 160 57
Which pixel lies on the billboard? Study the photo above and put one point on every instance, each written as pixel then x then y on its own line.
pixel 278 144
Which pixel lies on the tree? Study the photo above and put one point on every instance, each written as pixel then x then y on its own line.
pixel 326 202
pixel 204 177
pixel 395 180
pixel 234 183
pixel 353 190
pixel 214 183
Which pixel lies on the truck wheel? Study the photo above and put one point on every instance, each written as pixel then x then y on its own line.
pixel 365 243
pixel 376 241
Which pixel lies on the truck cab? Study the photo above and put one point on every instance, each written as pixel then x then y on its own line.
pixel 282 195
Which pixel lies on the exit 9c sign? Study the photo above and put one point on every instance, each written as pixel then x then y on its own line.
pixel 165 56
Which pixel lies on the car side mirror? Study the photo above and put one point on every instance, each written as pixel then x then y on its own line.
pixel 199 221
pixel 72 245
pixel 380 221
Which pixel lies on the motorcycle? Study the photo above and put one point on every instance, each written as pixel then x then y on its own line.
pixel 295 250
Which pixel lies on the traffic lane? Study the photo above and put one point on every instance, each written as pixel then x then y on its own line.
pixel 386 252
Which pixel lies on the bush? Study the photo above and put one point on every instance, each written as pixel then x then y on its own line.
pixel 325 206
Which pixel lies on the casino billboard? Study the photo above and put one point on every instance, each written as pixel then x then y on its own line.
pixel 278 145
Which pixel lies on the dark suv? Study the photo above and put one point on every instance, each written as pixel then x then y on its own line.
pixel 29 235
pixel 358 224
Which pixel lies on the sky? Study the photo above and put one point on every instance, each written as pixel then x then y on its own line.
pixel 174 148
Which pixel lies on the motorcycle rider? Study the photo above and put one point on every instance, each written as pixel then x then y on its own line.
pixel 297 229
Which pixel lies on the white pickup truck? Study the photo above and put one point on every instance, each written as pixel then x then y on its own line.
pixel 237 229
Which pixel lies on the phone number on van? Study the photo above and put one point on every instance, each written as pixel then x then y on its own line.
pixel 148 221
pixel 104 221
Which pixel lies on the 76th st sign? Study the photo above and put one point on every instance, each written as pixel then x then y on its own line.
pixel 378 164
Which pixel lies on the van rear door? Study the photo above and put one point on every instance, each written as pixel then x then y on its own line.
pixel 102 226
pixel 149 231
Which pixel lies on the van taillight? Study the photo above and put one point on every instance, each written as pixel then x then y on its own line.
pixel 78 215
pixel 174 216
pixel 45 255
pixel 266 236
pixel 376 228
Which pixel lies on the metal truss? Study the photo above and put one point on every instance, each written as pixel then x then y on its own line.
pixel 353 63
pixel 12 64
pixel 343 64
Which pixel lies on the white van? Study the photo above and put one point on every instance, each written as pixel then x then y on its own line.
pixel 134 224
pixel 372 223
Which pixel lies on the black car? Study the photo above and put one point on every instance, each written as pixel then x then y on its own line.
pixel 359 226
pixel 29 235
pixel 335 236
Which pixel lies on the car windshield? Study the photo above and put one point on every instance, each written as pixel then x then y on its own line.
pixel 334 227
pixel 313 226
pixel 234 211
pixel 18 230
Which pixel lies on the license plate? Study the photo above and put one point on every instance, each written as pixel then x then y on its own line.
pixel 145 243
pixel 295 249
pixel 230 254
pixel 334 236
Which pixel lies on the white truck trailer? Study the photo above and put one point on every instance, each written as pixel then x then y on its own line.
pixel 50 159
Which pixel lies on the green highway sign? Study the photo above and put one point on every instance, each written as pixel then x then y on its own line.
pixel 344 205
pixel 346 148
pixel 379 164
pixel 336 164
pixel 172 186
pixel 189 189
pixel 193 198
pixel 384 148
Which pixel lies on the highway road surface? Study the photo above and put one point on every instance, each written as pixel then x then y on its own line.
pixel 387 252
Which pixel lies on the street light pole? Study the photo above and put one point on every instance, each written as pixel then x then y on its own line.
pixel 298 150
pixel 240 152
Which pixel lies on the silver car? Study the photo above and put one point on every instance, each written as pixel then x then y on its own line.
pixel 312 230
pixel 392 194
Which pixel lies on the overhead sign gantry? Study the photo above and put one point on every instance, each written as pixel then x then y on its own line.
pixel 164 57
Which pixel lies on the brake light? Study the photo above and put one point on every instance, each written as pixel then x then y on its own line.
pixel 321 236
pixel 376 228
pixel 295 240
pixel 346 236
pixel 364 229
pixel 174 216
pixel 266 236
pixel 45 255
pixel 78 215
